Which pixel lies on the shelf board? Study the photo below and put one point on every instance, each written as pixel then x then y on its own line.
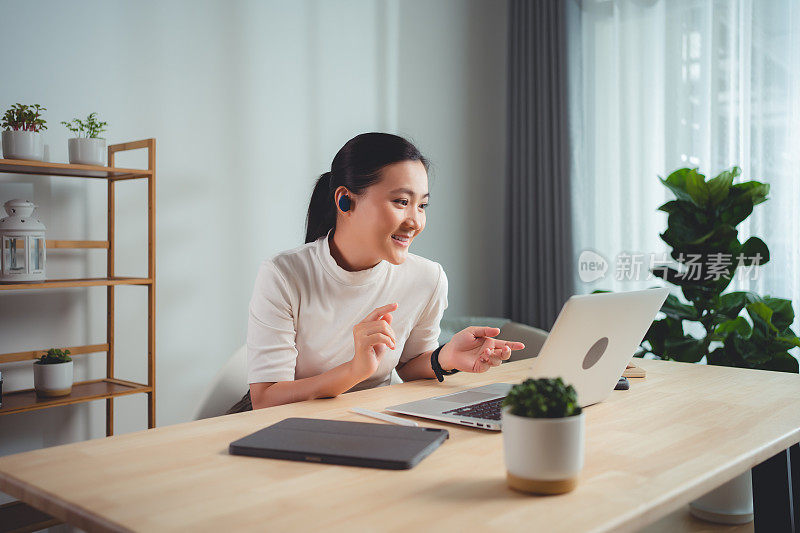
pixel 36 354
pixel 84 391
pixel 82 282
pixel 64 245
pixel 46 168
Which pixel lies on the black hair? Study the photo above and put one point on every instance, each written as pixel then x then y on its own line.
pixel 356 166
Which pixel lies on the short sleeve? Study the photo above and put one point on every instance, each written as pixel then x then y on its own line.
pixel 271 349
pixel 424 337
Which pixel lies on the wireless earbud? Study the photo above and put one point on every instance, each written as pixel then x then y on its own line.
pixel 344 203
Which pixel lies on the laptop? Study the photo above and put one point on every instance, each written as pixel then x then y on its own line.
pixel 589 346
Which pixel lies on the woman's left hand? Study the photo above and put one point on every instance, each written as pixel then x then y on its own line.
pixel 474 350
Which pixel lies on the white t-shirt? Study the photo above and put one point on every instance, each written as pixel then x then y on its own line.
pixel 304 307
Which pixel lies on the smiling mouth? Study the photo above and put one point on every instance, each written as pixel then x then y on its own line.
pixel 401 240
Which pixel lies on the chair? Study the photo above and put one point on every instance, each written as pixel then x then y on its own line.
pixel 533 339
pixel 228 387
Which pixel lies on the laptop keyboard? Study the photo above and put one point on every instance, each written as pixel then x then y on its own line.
pixel 488 410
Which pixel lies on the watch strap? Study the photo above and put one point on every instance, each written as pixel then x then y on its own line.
pixel 438 371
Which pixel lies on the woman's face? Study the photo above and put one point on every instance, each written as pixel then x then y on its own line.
pixel 391 213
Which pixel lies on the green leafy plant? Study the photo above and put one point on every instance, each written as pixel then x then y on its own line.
pixel 543 398
pixel 21 117
pixel 54 356
pixel 742 329
pixel 89 129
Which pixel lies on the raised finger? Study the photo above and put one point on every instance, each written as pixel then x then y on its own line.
pixel 380 338
pixel 483 331
pixel 377 312
pixel 379 326
pixel 386 323
pixel 512 344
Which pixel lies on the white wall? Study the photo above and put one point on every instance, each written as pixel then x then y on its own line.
pixel 249 102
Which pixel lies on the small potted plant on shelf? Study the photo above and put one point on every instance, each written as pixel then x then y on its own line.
pixel 22 138
pixel 52 374
pixel 86 148
pixel 543 436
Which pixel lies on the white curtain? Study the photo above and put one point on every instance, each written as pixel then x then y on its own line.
pixel 657 85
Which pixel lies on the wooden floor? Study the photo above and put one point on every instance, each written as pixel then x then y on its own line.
pixel 682 521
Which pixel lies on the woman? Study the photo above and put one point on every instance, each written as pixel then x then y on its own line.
pixel 342 311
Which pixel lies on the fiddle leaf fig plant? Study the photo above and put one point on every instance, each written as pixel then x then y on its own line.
pixel 543 398
pixel 89 129
pixel 742 329
pixel 21 117
pixel 54 356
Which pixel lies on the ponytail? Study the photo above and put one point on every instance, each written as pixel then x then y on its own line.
pixel 321 211
pixel 356 166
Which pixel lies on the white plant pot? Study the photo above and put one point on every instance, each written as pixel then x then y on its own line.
pixel 543 455
pixel 23 145
pixel 52 379
pixel 85 151
pixel 730 503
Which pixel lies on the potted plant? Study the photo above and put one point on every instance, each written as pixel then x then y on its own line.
pixel 543 436
pixel 739 328
pixel 22 138
pixel 86 148
pixel 52 374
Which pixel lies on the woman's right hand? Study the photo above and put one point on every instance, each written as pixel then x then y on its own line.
pixel 372 337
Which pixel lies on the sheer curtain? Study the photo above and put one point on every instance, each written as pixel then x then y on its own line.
pixel 656 85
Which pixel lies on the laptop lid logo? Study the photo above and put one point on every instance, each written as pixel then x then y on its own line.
pixel 595 353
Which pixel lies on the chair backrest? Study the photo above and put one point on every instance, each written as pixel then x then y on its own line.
pixel 533 339
pixel 449 326
pixel 228 387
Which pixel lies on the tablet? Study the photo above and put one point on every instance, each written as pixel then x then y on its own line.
pixel 342 442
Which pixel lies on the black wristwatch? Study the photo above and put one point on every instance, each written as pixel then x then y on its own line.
pixel 437 368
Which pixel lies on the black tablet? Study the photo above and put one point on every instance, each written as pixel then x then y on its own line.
pixel 343 443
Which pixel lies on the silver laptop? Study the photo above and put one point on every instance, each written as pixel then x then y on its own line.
pixel 589 346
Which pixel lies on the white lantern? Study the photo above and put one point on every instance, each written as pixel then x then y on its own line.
pixel 22 237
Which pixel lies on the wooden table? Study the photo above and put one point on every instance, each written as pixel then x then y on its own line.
pixel 680 432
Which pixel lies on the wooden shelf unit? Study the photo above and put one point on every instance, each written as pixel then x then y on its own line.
pixel 84 391
pixel 109 387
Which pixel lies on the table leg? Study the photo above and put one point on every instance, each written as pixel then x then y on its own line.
pixel 774 504
pixel 794 461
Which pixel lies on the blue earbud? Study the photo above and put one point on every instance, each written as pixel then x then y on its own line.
pixel 344 203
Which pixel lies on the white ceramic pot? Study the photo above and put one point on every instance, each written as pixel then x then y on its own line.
pixel 730 503
pixel 52 379
pixel 543 455
pixel 23 145
pixel 84 151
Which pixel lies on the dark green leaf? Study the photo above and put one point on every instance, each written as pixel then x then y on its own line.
pixel 755 251
pixel 673 308
pixel 782 362
pixel 739 325
pixel 676 182
pixel 698 189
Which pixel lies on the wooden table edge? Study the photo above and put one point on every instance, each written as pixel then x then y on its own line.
pixel 631 520
pixel 46 501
